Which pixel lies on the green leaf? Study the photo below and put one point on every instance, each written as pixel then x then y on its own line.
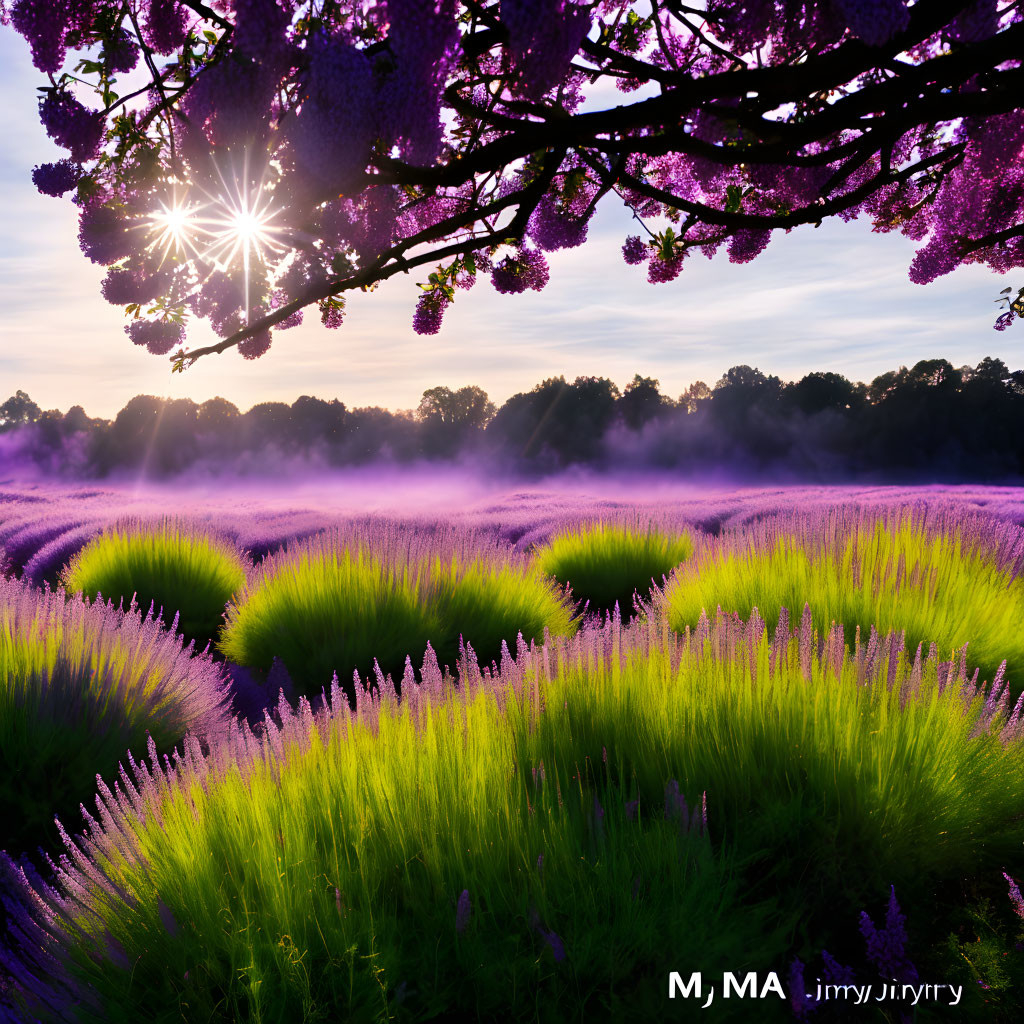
pixel 733 198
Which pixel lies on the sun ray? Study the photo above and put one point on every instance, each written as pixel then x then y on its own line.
pixel 233 229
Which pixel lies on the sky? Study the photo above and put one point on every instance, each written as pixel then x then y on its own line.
pixel 830 298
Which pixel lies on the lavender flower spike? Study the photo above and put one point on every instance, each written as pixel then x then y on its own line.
pixel 462 911
pixel 1015 897
pixel 886 947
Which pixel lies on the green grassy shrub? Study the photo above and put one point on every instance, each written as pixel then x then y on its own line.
pixel 606 563
pixel 813 768
pixel 296 877
pixel 337 603
pixel 939 587
pixel 79 686
pixel 181 569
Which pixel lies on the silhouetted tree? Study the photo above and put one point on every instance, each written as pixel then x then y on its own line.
pixel 266 426
pixel 641 402
pixel 818 391
pixel 452 421
pixel 316 423
pixel 18 410
pixel 557 423
pixel 690 400
pixel 375 433
pixel 932 421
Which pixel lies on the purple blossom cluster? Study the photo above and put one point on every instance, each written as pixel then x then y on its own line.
pixel 166 26
pixel 261 29
pixel 463 911
pixel 159 336
pixel 72 125
pixel 553 229
pixel 122 53
pixel 661 271
pixel 46 26
pixel 423 40
pixel 528 269
pixel 256 345
pixel 429 312
pixel 122 286
pixel 56 179
pixel 875 21
pixel 103 234
pixel 748 244
pixel 635 250
pixel 543 36
pixel 231 103
pixel 335 128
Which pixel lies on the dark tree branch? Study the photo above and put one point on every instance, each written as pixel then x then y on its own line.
pixel 394 260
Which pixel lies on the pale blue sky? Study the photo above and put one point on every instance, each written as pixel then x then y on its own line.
pixel 834 298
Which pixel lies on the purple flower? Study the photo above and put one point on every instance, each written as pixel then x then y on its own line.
pixel 122 53
pixel 798 997
pixel 875 21
pixel 462 911
pixel 1015 897
pixel 552 229
pixel 835 972
pixel 72 125
pixel 675 804
pixel 634 250
pixel 747 244
pixel 167 918
pixel 661 271
pixel 886 947
pixel 429 312
pixel 334 131
pixel 1002 321
pixel 103 234
pixel 56 179
pixel 121 287
pixel 254 347
pixel 556 944
pixel 527 269
pixel 159 336
pixel 166 26
pixel 44 26
pixel 543 37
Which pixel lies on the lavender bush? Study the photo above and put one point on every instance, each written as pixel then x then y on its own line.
pixel 81 684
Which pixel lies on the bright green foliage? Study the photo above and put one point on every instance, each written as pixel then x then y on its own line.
pixel 179 568
pixel 606 563
pixel 323 612
pixel 306 886
pixel 941 588
pixel 487 604
pixel 303 881
pixel 79 686
pixel 324 609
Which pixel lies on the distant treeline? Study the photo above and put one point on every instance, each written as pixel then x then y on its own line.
pixel 932 421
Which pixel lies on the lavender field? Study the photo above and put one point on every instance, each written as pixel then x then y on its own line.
pixel 324 728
